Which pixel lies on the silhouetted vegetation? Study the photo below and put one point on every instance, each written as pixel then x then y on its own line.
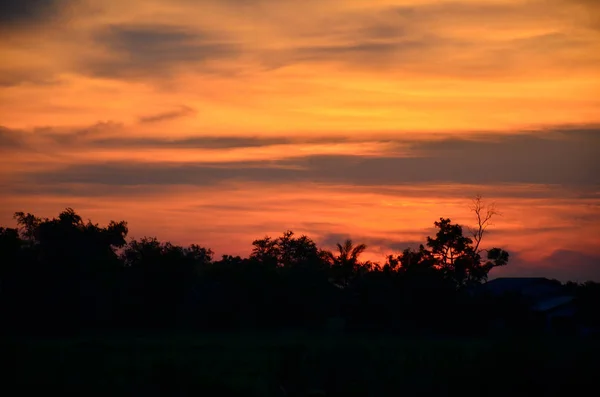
pixel 68 275
pixel 71 278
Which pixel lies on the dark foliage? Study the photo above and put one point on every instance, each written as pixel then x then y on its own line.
pixel 67 276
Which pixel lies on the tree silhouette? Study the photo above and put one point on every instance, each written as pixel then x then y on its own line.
pixel 453 252
pixel 411 261
pixel 484 214
pixel 163 276
pixel 10 246
pixel 287 252
pixel 28 225
pixel 457 257
pixel 344 264
pixel 67 269
pixel 68 275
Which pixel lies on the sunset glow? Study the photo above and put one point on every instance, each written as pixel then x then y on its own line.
pixel 220 121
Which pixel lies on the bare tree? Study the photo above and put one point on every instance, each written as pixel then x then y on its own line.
pixel 484 214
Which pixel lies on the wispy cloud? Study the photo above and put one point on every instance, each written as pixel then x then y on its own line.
pixel 183 111
pixel 569 159
pixel 28 12
pixel 10 139
pixel 142 51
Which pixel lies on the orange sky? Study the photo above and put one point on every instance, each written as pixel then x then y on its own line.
pixel 220 121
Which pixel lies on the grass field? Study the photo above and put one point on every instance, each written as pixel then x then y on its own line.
pixel 299 365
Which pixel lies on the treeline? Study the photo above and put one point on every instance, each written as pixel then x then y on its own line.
pixel 65 275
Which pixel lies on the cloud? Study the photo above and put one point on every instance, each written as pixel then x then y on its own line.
pixel 21 185
pixel 591 7
pixel 465 58
pixel 154 50
pixel 560 158
pixel 109 135
pixel 473 40
pixel 68 137
pixel 564 265
pixel 204 142
pixel 368 51
pixel 28 12
pixel 11 77
pixel 183 111
pixel 400 39
pixel 114 135
pixel 162 174
pixel 591 219
pixel 10 139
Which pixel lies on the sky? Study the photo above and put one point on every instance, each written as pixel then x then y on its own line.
pixel 218 122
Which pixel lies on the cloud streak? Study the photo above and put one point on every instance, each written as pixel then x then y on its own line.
pixel 183 111
pixel 28 12
pixel 559 158
pixel 134 51
pixel 10 139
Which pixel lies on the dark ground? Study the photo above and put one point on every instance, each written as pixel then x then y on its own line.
pixel 299 365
